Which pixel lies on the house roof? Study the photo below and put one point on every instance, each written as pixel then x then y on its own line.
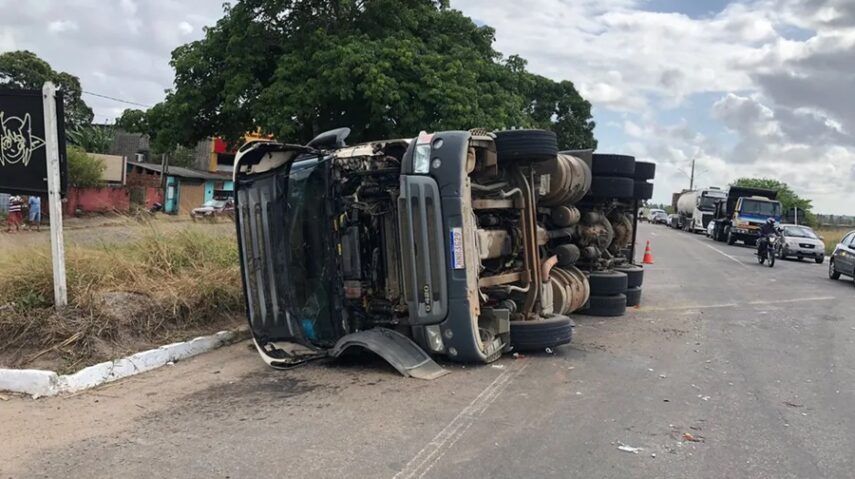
pixel 182 172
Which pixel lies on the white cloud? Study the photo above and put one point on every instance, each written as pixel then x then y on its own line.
pixel 60 26
pixel 185 28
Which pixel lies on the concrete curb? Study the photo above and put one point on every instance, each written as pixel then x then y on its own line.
pixel 38 382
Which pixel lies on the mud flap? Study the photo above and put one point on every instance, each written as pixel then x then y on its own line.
pixel 398 350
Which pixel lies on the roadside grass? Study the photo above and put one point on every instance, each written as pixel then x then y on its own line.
pixel 122 295
pixel 832 236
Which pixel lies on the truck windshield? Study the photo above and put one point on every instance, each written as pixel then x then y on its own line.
pixel 309 233
pixel 761 208
pixel 708 201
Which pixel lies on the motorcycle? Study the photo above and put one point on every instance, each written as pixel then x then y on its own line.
pixel 766 248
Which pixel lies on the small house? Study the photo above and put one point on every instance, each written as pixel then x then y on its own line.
pixel 186 188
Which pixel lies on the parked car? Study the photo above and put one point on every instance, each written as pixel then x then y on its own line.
pixel 673 221
pixel 651 214
pixel 842 260
pixel 801 242
pixel 660 218
pixel 213 208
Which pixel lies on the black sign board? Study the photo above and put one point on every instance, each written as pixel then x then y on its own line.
pixel 23 153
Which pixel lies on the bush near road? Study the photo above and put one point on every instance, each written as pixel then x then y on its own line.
pixel 123 297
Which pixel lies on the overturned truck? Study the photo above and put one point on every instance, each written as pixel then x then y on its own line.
pixel 462 244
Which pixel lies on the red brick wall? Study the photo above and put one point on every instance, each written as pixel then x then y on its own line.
pixel 98 200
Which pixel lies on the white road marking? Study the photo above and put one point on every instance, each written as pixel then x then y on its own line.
pixel 429 455
pixel 734 258
pixel 738 305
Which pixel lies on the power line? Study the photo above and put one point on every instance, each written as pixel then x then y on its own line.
pixel 116 99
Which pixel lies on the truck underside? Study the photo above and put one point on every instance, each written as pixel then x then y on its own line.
pixel 439 241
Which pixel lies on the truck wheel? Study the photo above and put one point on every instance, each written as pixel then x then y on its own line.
pixel 540 334
pixel 642 190
pixel 613 165
pixel 730 239
pixel 634 274
pixel 819 260
pixel 532 145
pixel 633 296
pixel 644 170
pixel 611 187
pixel 614 305
pixel 604 283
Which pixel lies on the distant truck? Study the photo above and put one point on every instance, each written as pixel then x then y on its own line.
pixel 696 208
pixel 739 216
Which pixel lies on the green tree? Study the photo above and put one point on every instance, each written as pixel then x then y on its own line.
pixel 133 121
pixel 92 138
pixel 84 170
pixel 24 69
pixel 788 198
pixel 384 68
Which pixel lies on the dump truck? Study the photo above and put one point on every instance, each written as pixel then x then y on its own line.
pixel 696 208
pixel 739 216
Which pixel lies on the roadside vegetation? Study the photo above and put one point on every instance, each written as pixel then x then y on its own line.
pixel 123 297
pixel 832 236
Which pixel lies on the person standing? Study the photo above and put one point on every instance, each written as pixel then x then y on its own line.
pixel 35 214
pixel 14 218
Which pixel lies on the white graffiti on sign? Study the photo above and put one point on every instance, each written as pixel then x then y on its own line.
pixel 17 142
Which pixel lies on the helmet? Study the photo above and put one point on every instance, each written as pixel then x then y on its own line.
pixel 771 221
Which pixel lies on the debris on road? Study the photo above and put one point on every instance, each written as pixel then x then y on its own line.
pixel 687 436
pixel 498 366
pixel 792 404
pixel 623 447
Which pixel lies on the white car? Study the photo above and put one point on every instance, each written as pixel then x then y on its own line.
pixel 651 214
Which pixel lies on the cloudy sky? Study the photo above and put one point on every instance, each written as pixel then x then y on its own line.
pixel 747 88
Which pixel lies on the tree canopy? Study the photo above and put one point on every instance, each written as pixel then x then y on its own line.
pixel 133 121
pixel 384 68
pixel 24 69
pixel 788 198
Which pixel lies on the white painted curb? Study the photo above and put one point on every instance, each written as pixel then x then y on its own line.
pixel 38 382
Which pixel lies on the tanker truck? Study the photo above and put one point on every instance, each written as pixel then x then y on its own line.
pixel 695 208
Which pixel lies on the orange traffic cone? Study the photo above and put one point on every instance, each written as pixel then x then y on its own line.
pixel 648 255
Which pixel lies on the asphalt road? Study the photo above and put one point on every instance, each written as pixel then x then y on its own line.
pixel 755 363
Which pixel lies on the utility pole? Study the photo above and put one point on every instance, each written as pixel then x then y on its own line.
pixel 692 177
pixel 60 289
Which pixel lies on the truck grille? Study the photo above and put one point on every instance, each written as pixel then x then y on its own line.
pixel 423 250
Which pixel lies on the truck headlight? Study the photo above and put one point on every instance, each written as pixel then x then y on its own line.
pixel 434 338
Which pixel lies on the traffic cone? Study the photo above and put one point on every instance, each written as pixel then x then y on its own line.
pixel 648 255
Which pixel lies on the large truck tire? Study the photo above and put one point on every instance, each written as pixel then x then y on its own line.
pixel 633 296
pixel 604 283
pixel 642 190
pixel 567 254
pixel 540 334
pixel 613 305
pixel 634 274
pixel 613 165
pixel 731 240
pixel 612 187
pixel 644 170
pixel 522 145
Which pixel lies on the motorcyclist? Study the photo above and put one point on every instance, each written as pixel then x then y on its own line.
pixel 766 230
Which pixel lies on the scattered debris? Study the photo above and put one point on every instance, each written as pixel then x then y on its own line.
pixel 704 398
pixel 650 369
pixel 792 404
pixel 578 393
pixel 498 366
pixel 548 350
pixel 695 428
pixel 687 436
pixel 519 356
pixel 653 455
pixel 171 363
pixel 623 447
pixel 4 397
pixel 662 376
